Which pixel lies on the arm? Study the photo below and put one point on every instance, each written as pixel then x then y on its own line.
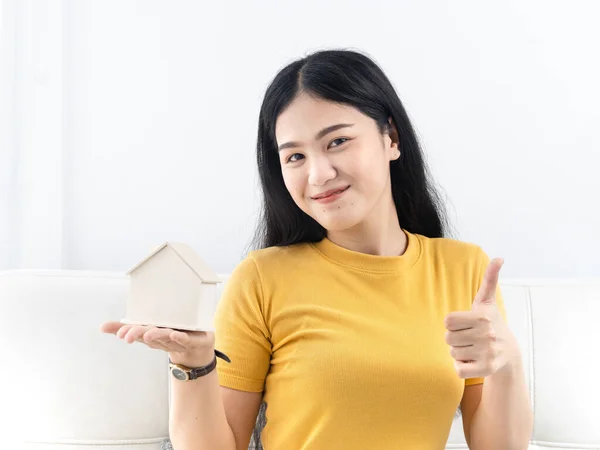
pixel 503 419
pixel 204 415
pixel 497 414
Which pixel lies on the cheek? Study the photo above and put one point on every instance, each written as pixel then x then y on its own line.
pixel 371 173
pixel 294 184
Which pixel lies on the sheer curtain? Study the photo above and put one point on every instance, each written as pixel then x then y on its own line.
pixel 31 134
pixel 8 149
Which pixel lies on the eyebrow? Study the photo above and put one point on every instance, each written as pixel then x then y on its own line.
pixel 320 134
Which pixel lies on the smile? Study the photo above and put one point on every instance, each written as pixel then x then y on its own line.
pixel 331 196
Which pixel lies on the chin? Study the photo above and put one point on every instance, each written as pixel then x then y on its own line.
pixel 337 223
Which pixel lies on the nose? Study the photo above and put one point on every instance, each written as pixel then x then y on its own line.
pixel 321 171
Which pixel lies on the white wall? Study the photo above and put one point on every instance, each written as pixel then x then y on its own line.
pixel 143 127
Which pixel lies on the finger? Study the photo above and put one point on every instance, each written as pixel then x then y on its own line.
pixel 135 333
pixel 157 333
pixel 467 369
pixel 461 320
pixel 180 337
pixel 110 327
pixel 463 354
pixel 461 338
pixel 123 331
pixel 487 291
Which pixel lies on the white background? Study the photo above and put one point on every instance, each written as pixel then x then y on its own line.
pixel 127 123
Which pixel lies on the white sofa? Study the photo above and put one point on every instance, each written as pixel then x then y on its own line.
pixel 66 386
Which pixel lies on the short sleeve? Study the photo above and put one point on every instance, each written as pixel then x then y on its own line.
pixel 484 262
pixel 241 332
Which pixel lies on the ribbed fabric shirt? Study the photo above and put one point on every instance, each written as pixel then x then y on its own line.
pixel 349 348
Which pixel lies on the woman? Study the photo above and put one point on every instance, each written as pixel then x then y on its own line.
pixel 357 324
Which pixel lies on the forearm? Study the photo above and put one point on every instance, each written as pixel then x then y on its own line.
pixel 197 418
pixel 504 419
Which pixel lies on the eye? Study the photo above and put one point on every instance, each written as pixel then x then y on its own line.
pixel 289 159
pixel 339 139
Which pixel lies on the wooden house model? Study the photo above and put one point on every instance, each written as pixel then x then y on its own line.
pixel 172 287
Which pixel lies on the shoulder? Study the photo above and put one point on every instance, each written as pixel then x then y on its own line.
pixel 453 249
pixel 459 259
pixel 253 278
pixel 460 265
pixel 278 252
pixel 271 260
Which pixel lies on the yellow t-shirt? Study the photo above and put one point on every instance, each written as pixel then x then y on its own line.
pixel 349 348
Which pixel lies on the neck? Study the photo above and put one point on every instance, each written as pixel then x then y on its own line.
pixel 380 234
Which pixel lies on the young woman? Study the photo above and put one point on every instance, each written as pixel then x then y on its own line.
pixel 357 323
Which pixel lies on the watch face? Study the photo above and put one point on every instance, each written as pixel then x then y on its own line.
pixel 179 374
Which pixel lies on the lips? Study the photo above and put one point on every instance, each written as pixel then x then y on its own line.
pixel 329 193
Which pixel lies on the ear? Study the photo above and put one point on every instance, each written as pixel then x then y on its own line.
pixel 394 145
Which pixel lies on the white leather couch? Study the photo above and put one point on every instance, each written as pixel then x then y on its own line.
pixel 66 386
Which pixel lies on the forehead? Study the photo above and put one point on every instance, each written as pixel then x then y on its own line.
pixel 305 116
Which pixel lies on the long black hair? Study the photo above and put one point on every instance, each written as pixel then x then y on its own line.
pixel 351 78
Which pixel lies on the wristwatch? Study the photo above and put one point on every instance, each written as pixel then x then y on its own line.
pixel 184 373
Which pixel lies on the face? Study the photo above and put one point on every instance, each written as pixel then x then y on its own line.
pixel 335 162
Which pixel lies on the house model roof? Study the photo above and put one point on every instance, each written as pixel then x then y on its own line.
pixel 189 257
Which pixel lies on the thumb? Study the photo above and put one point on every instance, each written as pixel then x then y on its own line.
pixel 487 292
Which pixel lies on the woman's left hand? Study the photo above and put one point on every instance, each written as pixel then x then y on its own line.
pixel 480 341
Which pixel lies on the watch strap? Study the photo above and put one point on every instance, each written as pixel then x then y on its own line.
pixel 197 372
pixel 222 355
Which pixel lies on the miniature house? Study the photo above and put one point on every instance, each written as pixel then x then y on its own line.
pixel 173 288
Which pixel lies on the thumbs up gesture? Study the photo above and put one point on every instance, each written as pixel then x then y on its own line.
pixel 480 341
